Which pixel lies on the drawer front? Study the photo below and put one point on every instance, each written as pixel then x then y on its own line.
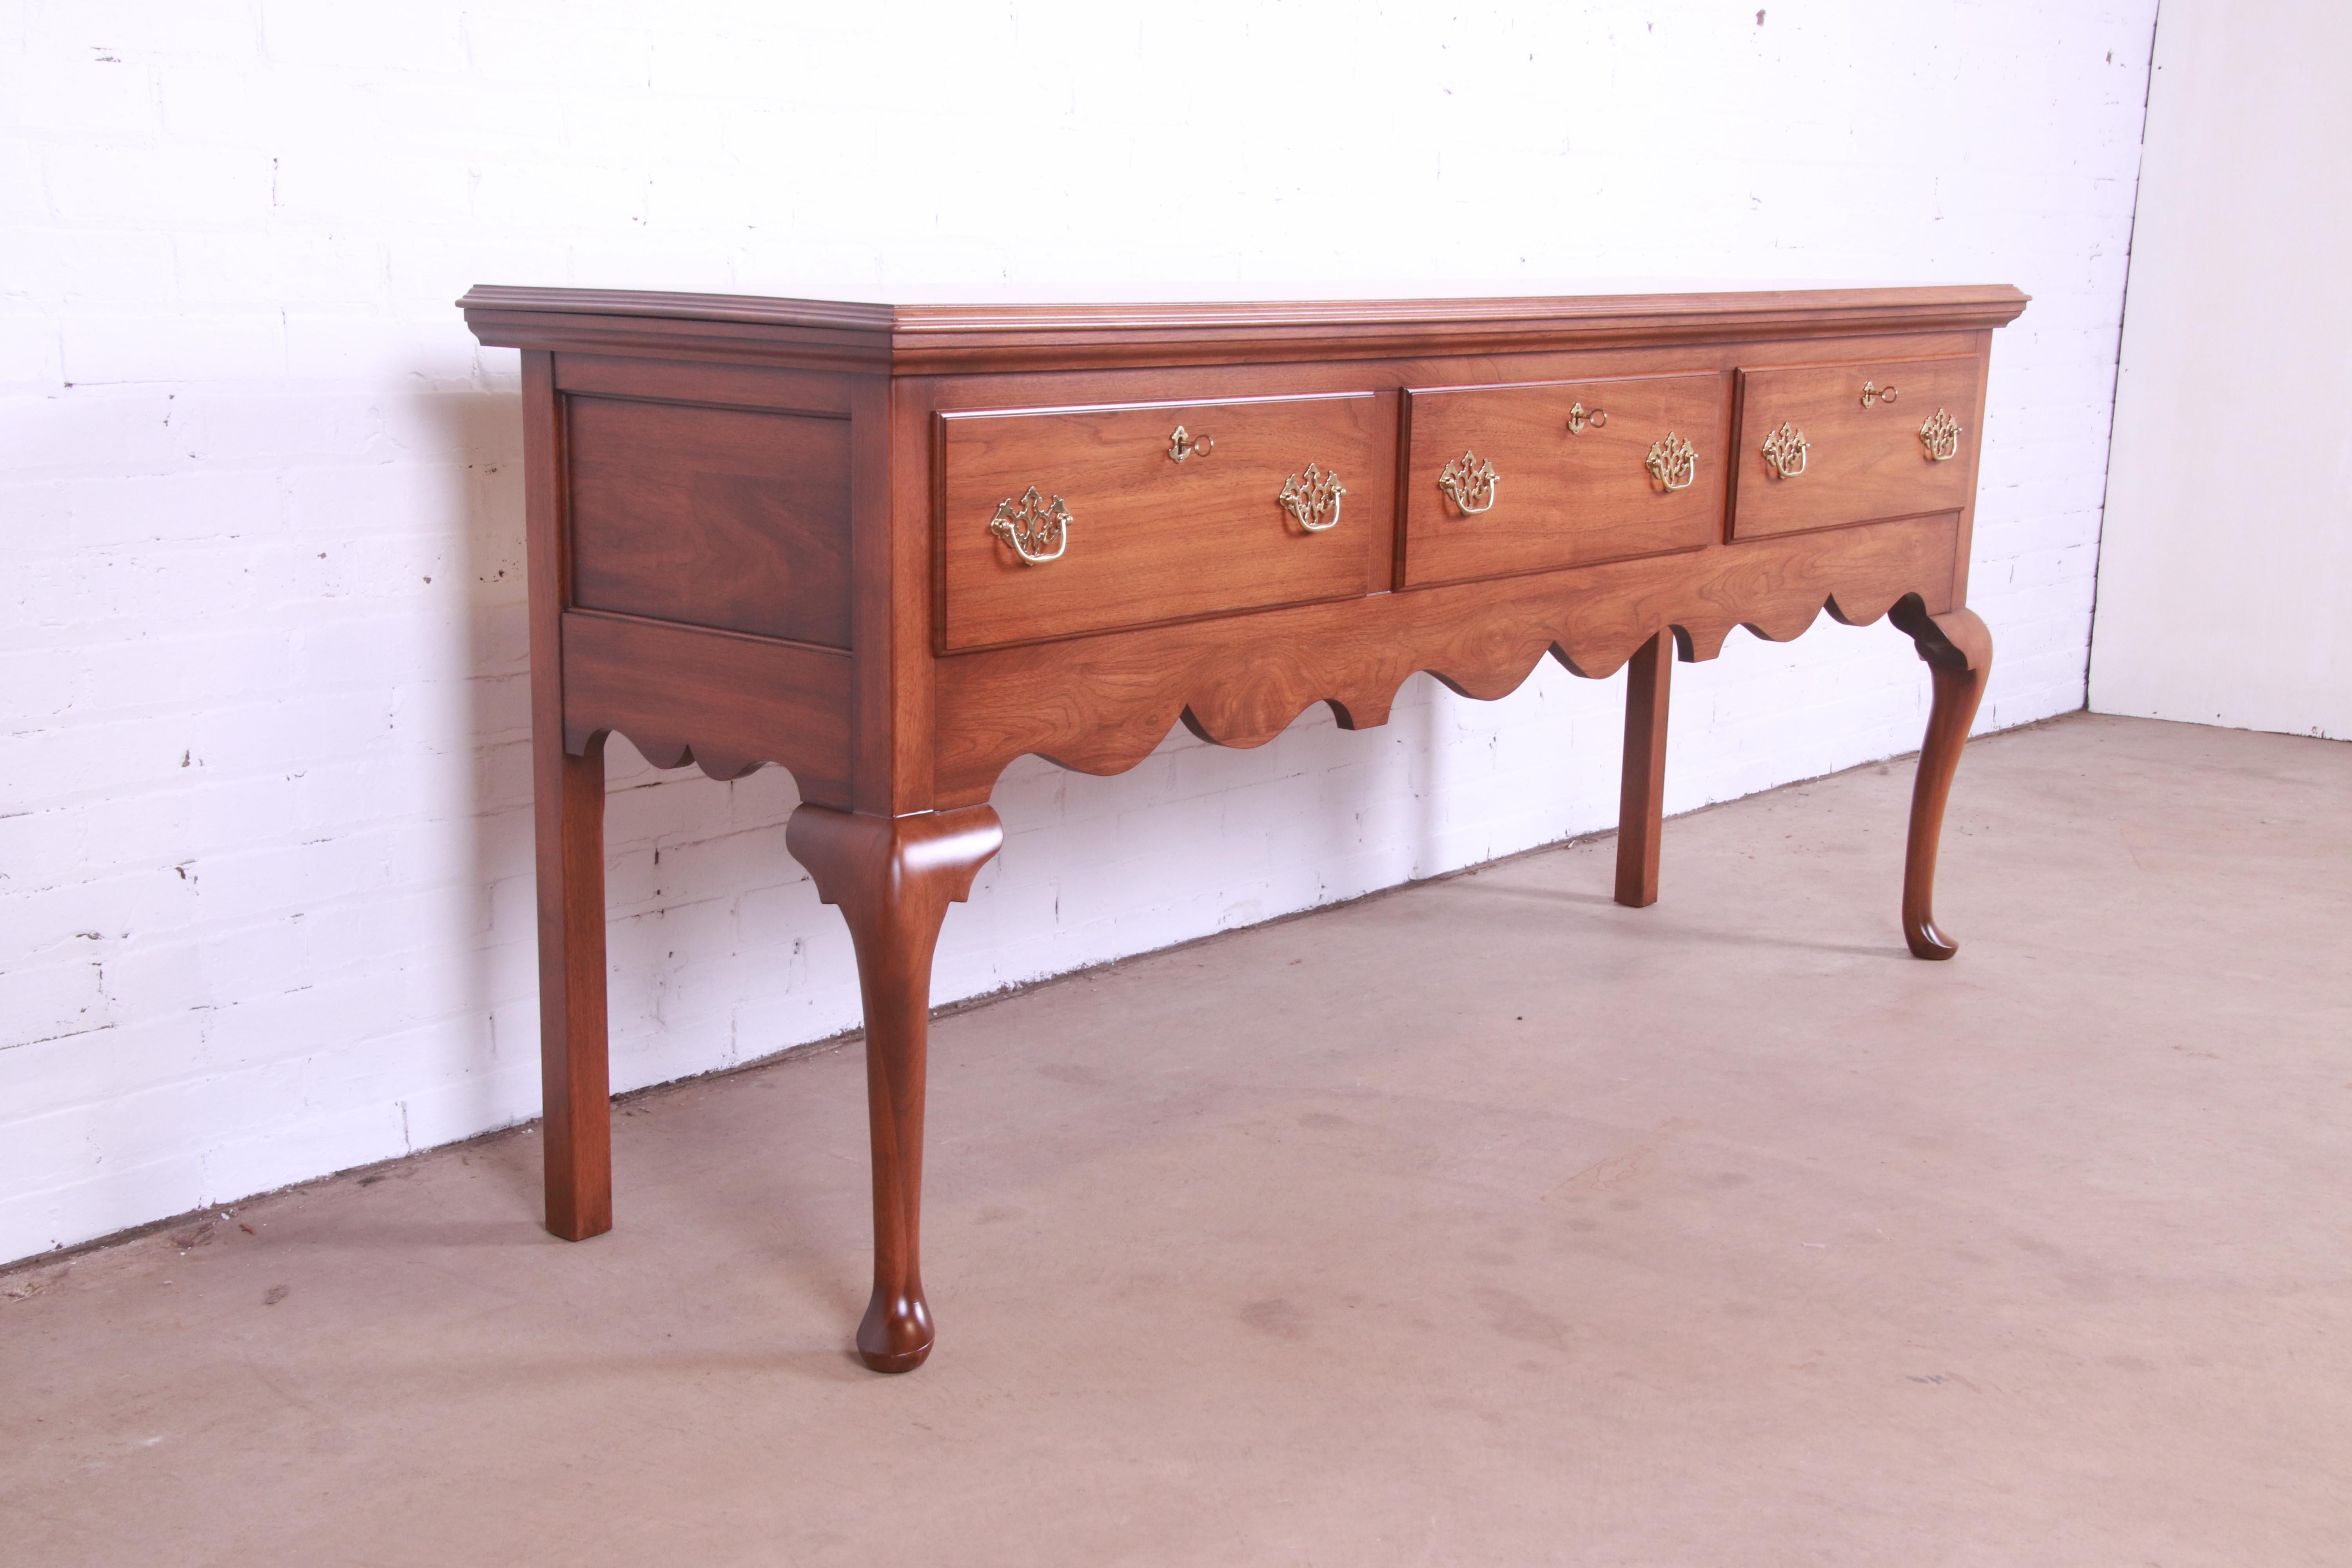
pixel 1574 473
pixel 1843 452
pixel 1143 536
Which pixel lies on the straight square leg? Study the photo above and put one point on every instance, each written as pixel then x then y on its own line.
pixel 568 807
pixel 1642 801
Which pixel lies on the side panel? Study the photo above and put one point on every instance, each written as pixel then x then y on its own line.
pixel 696 564
pixel 715 517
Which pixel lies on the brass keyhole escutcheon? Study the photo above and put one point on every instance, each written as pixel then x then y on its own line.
pixel 1871 394
pixel 1183 444
pixel 1577 419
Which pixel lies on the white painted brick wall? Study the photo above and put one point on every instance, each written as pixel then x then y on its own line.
pixel 265 870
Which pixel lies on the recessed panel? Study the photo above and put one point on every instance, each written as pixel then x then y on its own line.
pixel 1827 446
pixel 1151 525
pixel 714 516
pixel 1544 474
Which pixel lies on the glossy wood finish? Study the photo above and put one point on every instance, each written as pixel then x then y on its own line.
pixel 1567 494
pixel 568 826
pixel 1866 461
pixel 712 516
pixel 768 389
pixel 759 533
pixel 729 702
pixel 971 339
pixel 1642 798
pixel 1957 649
pixel 1100 704
pixel 574 1071
pixel 1153 539
pixel 893 878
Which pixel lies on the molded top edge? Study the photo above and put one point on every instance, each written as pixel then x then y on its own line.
pixel 1530 310
pixel 755 308
pixel 916 339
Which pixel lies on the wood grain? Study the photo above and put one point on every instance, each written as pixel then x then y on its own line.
pixel 819 334
pixel 890 500
pixel 1641 797
pixel 1866 461
pixel 568 836
pixel 761 387
pixel 1957 649
pixel 575 1081
pixel 1100 704
pixel 724 701
pixel 762 506
pixel 908 339
pixel 1564 496
pixel 714 516
pixel 1153 539
pixel 1972 458
pixel 893 878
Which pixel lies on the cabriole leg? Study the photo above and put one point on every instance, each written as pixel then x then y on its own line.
pixel 893 878
pixel 568 812
pixel 1959 652
pixel 1641 804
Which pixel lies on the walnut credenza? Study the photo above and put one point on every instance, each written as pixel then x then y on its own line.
pixel 894 548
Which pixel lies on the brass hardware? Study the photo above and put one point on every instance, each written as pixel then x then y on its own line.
pixel 1027 522
pixel 1940 435
pixel 1672 462
pixel 1871 394
pixel 1183 444
pixel 1466 476
pixel 1786 451
pixel 1309 501
pixel 1577 420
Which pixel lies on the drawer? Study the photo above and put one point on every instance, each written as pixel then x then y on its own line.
pixel 1852 443
pixel 1159 527
pixel 1573 474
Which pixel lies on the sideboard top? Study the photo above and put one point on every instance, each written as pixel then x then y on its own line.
pixel 949 339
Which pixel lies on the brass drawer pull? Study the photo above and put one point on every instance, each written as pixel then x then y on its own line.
pixel 1030 523
pixel 1672 462
pixel 1183 444
pixel 1940 436
pixel 1309 500
pixel 1786 451
pixel 1577 420
pixel 1465 478
pixel 1871 394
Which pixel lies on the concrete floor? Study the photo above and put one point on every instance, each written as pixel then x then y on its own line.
pixel 1482 1223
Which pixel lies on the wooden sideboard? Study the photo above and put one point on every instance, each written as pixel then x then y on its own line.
pixel 894 548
